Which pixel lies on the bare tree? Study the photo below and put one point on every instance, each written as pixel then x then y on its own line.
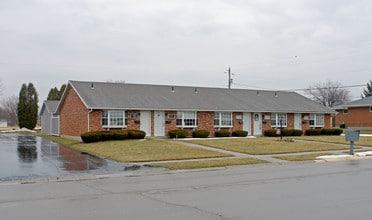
pixel 1 87
pixel 9 106
pixel 328 93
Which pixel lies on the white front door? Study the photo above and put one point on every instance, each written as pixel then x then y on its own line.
pixel 247 122
pixel 159 123
pixel 297 121
pixel 257 125
pixel 146 122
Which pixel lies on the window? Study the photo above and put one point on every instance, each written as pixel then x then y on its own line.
pixel 370 109
pixel 345 111
pixel 223 119
pixel 316 120
pixel 278 119
pixel 186 119
pixel 113 119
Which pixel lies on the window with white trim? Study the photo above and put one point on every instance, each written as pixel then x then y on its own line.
pixel 223 119
pixel 114 119
pixel 316 120
pixel 277 118
pixel 186 119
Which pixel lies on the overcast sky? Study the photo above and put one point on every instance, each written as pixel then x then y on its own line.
pixel 269 44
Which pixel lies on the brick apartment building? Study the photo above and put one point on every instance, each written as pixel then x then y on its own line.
pixel 355 115
pixel 157 109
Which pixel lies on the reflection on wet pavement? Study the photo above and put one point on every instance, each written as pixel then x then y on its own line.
pixel 25 156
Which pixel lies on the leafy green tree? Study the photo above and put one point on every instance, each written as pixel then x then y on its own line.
pixel 55 94
pixel 367 91
pixel 28 106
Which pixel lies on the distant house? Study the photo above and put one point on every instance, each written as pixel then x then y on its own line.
pixel 3 123
pixel 3 119
pixel 158 109
pixel 49 118
pixel 355 115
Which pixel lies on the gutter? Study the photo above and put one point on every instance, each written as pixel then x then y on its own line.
pixel 90 111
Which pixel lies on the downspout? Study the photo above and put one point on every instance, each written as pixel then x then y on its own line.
pixel 90 111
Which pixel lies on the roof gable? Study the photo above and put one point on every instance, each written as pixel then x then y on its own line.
pixel 99 95
pixel 50 106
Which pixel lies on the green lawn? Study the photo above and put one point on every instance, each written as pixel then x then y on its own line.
pixel 264 145
pixel 209 163
pixel 145 150
pixel 363 141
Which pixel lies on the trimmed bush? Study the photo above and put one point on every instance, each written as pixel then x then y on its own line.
pixel 200 134
pixel 312 132
pixel 287 132
pixel 136 134
pixel 240 133
pixel 177 133
pixel 333 131
pixel 270 133
pixel 297 132
pixel 291 132
pixel 90 137
pixel 222 133
pixel 337 131
pixel 106 135
pixel 120 135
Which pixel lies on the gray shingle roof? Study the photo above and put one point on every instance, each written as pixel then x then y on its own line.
pixel 50 105
pixel 367 101
pixel 99 95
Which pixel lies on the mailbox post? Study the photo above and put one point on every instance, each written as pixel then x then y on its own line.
pixel 352 136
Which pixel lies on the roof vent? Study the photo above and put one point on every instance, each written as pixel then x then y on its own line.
pixel 276 94
pixel 92 86
pixel 173 89
pixel 196 90
pixel 258 93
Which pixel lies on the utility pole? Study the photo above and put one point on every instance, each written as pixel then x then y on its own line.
pixel 230 79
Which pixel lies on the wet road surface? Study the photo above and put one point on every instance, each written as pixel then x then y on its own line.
pixel 334 190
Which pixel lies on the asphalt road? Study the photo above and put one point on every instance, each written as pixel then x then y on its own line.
pixel 333 190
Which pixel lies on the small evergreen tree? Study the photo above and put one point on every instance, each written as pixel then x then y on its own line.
pixel 367 91
pixel 28 106
pixel 55 94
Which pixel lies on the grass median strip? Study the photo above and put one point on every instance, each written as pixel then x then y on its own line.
pixel 302 157
pixel 209 163
pixel 264 145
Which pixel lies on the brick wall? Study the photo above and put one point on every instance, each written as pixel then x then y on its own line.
pixel 73 115
pixel 357 117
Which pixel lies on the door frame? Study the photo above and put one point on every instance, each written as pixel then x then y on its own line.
pixel 159 123
pixel 146 122
pixel 247 125
pixel 257 123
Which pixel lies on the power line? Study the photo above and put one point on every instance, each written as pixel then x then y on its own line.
pixel 307 89
pixel 332 87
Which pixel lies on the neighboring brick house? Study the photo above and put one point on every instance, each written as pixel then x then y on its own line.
pixel 157 109
pixel 355 115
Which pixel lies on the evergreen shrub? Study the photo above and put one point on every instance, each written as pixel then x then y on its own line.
pixel 200 134
pixel 239 133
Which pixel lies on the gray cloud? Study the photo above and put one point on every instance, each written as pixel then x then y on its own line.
pixel 269 44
